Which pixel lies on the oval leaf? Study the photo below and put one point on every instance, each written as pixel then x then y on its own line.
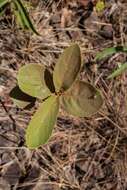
pixel 26 21
pixel 41 125
pixel 67 68
pixel 21 99
pixel 31 81
pixel 82 100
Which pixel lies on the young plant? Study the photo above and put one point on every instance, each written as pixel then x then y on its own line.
pixel 76 97
pixel 20 13
pixel 100 5
pixel 110 51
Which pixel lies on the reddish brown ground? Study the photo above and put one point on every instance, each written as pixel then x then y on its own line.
pixel 83 154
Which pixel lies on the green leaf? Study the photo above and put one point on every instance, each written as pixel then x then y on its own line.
pixel 31 81
pixel 18 16
pixel 21 99
pixel 41 125
pixel 118 71
pixel 82 100
pixel 49 80
pixel 100 5
pixel 2 10
pixel 3 3
pixel 109 51
pixel 67 68
pixel 24 17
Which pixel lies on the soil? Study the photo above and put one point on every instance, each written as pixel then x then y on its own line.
pixel 83 153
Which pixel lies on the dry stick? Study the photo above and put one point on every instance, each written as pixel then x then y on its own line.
pixel 9 115
pixel 1 135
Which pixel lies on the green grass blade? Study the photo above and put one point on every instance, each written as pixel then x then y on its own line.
pixel 109 51
pixel 24 16
pixel 18 16
pixel 124 49
pixel 2 10
pixel 3 2
pixel 118 71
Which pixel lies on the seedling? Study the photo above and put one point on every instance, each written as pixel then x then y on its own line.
pixel 62 88
pixel 20 12
pixel 100 5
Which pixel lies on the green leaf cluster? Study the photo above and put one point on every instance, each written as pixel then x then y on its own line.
pixel 100 5
pixel 61 88
pixel 110 51
pixel 20 12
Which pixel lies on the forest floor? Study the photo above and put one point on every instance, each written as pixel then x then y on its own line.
pixel 83 153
